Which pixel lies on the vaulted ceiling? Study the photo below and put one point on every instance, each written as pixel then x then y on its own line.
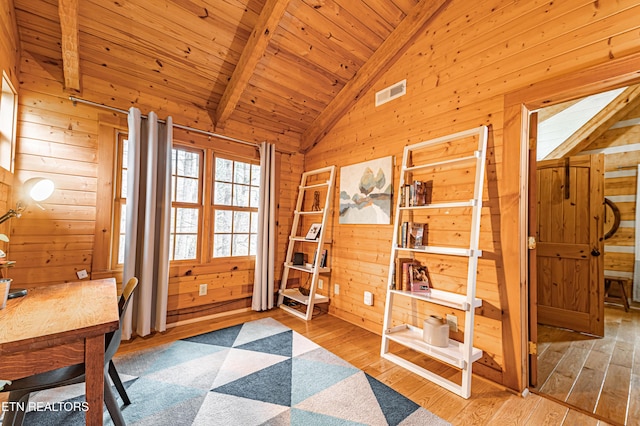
pixel 291 66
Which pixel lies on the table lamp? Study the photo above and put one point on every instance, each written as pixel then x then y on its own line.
pixel 35 190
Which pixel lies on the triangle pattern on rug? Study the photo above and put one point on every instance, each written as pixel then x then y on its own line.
pixel 351 399
pixel 240 363
pixel 271 384
pixel 278 344
pixel 224 409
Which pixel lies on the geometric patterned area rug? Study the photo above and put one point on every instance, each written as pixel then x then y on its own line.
pixel 257 373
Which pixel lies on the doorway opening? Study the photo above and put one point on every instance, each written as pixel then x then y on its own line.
pixel 588 339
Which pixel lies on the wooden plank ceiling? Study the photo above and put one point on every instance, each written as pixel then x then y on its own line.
pixel 286 65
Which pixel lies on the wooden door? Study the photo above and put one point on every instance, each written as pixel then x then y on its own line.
pixel 570 235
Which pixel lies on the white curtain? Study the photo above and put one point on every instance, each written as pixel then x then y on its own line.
pixel 264 282
pixel 147 222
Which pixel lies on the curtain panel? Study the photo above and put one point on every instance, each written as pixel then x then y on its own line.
pixel 264 280
pixel 148 212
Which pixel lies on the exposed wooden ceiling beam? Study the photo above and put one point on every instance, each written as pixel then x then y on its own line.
pixel 600 123
pixel 68 12
pixel 253 51
pixel 389 51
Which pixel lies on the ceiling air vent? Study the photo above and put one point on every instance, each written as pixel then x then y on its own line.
pixel 391 92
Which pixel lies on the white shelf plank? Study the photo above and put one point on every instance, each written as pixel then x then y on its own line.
pixel 305 213
pixel 303 239
pixel 305 268
pixel 475 156
pixel 429 375
pixel 443 298
pixel 452 251
pixel 294 294
pixel 411 337
pixel 317 185
pixel 451 205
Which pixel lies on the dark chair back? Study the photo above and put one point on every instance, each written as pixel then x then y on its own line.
pixel 112 340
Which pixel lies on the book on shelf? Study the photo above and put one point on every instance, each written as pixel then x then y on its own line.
pixel 323 258
pixel 401 273
pixel 418 233
pixel 419 279
pixel 313 232
pixel 404 232
pixel 407 197
pixel 417 193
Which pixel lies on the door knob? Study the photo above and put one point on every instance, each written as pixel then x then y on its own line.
pixel 595 252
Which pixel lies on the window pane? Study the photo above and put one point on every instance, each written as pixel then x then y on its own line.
pixel 188 164
pixel 255 175
pixel 242 173
pixel 223 221
pixel 123 184
pixel 253 240
pixel 241 196
pixel 125 153
pixel 174 161
pixel 186 221
pixel 224 169
pixel 254 222
pixel 123 218
pixel 186 190
pixel 222 194
pixel 241 222
pixel 121 249
pixel 255 197
pixel 221 245
pixel 240 245
pixel 186 247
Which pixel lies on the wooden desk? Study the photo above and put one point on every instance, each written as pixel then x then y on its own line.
pixel 60 325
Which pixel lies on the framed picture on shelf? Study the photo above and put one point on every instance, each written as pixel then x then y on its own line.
pixel 313 232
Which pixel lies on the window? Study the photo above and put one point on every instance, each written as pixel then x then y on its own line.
pixel 186 203
pixel 231 204
pixel 119 206
pixel 8 107
pixel 235 198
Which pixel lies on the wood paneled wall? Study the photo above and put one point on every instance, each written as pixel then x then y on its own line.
pixel 458 74
pixel 66 143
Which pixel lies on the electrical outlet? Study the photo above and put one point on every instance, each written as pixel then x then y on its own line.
pixel 203 290
pixel 82 274
pixel 320 284
pixel 368 298
pixel 336 288
pixel 452 320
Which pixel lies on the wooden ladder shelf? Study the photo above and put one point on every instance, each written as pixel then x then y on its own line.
pixel 321 181
pixel 437 160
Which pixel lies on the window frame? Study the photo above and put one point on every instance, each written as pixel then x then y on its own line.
pixel 199 205
pixel 232 208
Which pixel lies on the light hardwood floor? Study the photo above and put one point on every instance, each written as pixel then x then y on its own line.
pixel 488 405
pixel 600 376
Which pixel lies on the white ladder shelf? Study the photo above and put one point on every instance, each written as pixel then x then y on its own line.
pixel 460 355
pixel 321 180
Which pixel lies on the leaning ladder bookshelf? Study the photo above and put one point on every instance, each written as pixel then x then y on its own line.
pixel 320 180
pixel 419 158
